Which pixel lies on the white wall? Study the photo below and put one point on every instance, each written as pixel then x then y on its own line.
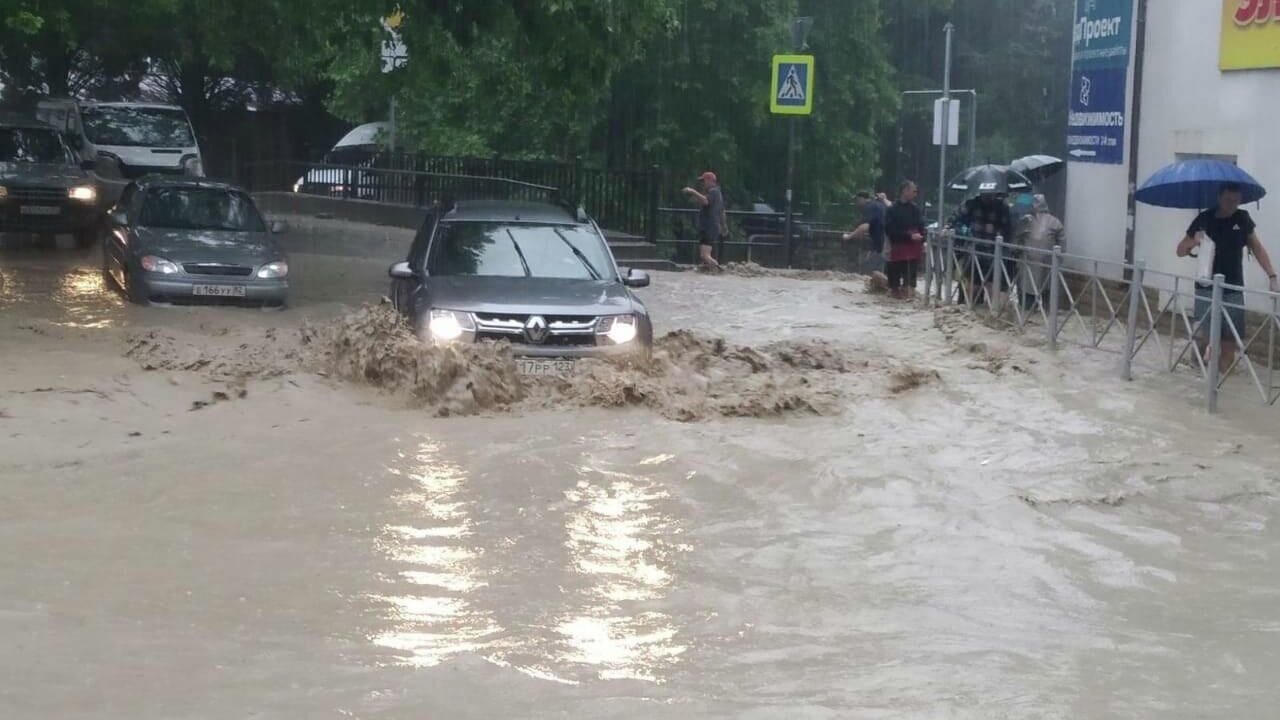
pixel 1189 106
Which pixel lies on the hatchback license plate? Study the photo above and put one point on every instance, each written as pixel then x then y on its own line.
pixel 218 290
pixel 544 367
pixel 40 210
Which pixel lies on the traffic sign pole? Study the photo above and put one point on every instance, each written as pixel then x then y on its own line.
pixel 946 131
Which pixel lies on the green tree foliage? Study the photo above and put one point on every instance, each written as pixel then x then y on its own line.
pixel 623 83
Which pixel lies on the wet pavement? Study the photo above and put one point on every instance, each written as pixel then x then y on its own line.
pixel 1026 537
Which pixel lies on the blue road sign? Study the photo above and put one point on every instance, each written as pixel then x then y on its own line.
pixel 791 92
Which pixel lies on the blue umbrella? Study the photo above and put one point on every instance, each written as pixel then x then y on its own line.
pixel 1194 185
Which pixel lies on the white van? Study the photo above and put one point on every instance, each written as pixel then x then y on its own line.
pixel 128 140
pixel 355 149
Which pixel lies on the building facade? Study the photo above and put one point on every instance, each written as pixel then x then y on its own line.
pixel 1209 86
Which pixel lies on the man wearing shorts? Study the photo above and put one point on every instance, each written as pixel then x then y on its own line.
pixel 1232 230
pixel 711 217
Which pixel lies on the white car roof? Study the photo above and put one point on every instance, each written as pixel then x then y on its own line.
pixel 366 134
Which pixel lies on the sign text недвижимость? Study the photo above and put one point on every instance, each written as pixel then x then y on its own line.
pixel 1099 81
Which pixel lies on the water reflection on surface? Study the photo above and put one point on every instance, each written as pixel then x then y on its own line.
pixel 617 540
pixel 432 605
pixel 462 545
pixel 85 297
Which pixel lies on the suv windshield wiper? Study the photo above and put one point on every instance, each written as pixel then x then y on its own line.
pixel 523 262
pixel 581 255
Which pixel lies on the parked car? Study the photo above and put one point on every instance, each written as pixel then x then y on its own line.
pixel 355 149
pixel 191 240
pixel 536 275
pixel 127 140
pixel 42 189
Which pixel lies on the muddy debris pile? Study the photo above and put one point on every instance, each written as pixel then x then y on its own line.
pixel 688 377
pixel 374 346
pixel 691 377
pixel 750 269
pixel 259 357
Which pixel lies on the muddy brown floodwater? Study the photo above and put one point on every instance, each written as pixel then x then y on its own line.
pixel 813 504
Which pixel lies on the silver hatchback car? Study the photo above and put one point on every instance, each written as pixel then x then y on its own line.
pixel 189 240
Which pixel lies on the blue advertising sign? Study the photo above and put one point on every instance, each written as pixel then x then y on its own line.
pixel 1099 81
pixel 1095 126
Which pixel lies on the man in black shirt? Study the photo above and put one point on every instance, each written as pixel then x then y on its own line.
pixel 872 230
pixel 1231 230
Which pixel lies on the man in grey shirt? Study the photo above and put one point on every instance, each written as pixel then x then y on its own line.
pixel 712 222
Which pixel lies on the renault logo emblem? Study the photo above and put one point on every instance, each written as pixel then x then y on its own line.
pixel 535 328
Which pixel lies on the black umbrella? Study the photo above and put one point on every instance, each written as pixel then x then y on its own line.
pixel 1038 167
pixel 990 179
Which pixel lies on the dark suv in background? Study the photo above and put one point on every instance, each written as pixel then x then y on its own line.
pixel 42 188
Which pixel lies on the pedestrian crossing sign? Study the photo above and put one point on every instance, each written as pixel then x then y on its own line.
pixel 791 92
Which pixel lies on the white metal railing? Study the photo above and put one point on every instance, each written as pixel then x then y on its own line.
pixel 1072 297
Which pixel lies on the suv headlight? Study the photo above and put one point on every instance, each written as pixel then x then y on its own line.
pixel 83 193
pixel 4 192
pixel 446 326
pixel 617 329
pixel 154 264
pixel 273 270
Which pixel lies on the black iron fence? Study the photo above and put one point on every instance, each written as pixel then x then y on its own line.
pixel 623 201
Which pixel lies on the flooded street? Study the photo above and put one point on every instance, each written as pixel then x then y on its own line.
pixel 1005 533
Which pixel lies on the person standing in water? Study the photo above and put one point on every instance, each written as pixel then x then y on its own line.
pixel 1232 231
pixel 904 227
pixel 871 229
pixel 711 217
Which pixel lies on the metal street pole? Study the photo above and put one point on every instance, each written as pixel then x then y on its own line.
pixel 799 36
pixel 791 171
pixel 946 131
pixel 973 121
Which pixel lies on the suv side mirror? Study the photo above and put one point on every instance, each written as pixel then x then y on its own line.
pixel 279 227
pixel 402 271
pixel 88 165
pixel 635 278
pixel 118 218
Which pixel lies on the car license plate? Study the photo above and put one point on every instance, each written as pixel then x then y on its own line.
pixel 218 290
pixel 40 210
pixel 528 366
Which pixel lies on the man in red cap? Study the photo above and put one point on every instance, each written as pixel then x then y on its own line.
pixel 711 219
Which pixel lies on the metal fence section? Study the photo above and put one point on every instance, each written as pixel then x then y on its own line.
pixel 624 201
pixel 1159 321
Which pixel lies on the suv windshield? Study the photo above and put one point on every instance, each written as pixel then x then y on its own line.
pixel 184 208
pixel 513 250
pixel 137 126
pixel 31 145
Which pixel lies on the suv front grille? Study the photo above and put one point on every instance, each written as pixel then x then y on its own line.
pixel 214 269
pixel 37 194
pixel 562 330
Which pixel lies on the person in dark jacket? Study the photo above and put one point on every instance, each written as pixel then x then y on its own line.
pixel 904 229
pixel 983 218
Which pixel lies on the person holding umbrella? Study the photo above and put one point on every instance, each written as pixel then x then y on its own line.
pixel 1232 230
pixel 984 217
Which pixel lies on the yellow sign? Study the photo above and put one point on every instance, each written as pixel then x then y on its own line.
pixel 1250 35
pixel 791 92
